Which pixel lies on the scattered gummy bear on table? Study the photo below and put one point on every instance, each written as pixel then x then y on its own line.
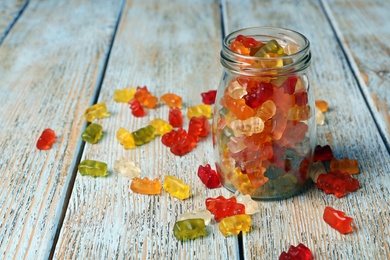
pixel 46 140
pixel 338 220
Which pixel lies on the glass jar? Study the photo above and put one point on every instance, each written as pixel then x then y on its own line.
pixel 264 125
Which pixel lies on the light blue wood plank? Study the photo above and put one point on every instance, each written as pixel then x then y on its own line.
pixel 10 10
pixel 50 65
pixel 363 28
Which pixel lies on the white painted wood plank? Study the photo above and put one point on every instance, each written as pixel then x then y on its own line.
pixel 50 65
pixel 363 28
pixel 169 46
pixel 9 13
pixel 351 132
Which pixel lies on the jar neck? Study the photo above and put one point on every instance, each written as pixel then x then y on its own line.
pixel 260 66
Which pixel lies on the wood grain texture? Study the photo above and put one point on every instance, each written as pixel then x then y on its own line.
pixel 169 46
pixel 364 29
pixel 50 65
pixel 350 131
pixel 9 12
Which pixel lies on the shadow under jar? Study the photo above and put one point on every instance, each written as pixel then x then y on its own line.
pixel 264 125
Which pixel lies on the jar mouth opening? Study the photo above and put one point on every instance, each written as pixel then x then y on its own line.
pixel 243 64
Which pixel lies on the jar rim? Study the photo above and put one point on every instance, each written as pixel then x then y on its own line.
pixel 236 62
pixel 280 30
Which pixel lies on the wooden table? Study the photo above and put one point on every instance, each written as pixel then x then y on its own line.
pixel 57 58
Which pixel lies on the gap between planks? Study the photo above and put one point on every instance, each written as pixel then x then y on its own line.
pixel 13 22
pixel 379 123
pixel 81 145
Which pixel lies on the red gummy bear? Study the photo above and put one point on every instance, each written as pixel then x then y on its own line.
pixel 175 117
pixel 322 153
pixel 209 177
pixel 183 146
pixel 301 99
pixel 338 183
pixel 338 220
pixel 289 85
pixel 136 108
pixel 173 137
pixel 46 140
pixel 198 127
pixel 299 252
pixel 222 207
pixel 209 97
pixel 248 42
pixel 259 94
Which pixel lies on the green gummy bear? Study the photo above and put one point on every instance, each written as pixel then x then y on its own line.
pixel 189 229
pixel 93 168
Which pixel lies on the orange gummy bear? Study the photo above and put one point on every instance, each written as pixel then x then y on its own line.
pixel 172 100
pixel 344 165
pixel 145 97
pixel 146 186
pixel 238 107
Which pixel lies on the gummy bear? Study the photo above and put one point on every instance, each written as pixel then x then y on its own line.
pixel 199 110
pixel 172 100
pixel 238 107
pixel 271 46
pixel 146 186
pixel 299 252
pixel 46 140
pixel 124 95
pixel 198 127
pixel 248 127
pixel 184 146
pixel 93 168
pixel 239 48
pixel 96 111
pixel 136 108
pixel 92 133
pixel 175 117
pixel 222 207
pixel 144 135
pixel 338 220
pixel 235 90
pixel 251 206
pixel 162 127
pixel 209 97
pixel 266 111
pixel 320 117
pixel 241 181
pixel 299 113
pixel 291 48
pixel 233 225
pixel 344 165
pixel 203 214
pixel 315 170
pixel 289 85
pixel 176 187
pixel 127 168
pixel 125 138
pixel 209 177
pixel 258 94
pixel 301 98
pixel 338 183
pixel 322 105
pixel 189 229
pixel 248 42
pixel 322 153
pixel 143 96
pixel 173 137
